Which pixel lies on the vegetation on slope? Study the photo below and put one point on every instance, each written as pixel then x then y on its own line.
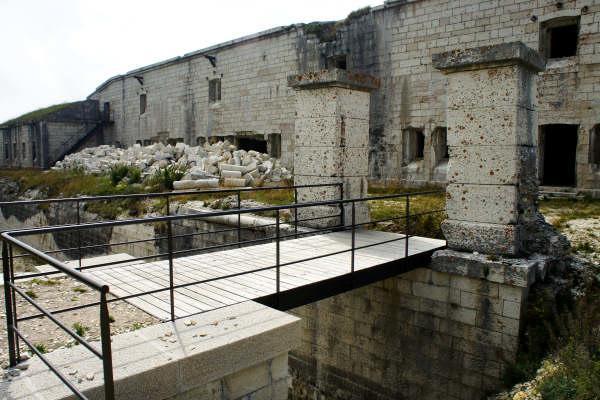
pixel 37 114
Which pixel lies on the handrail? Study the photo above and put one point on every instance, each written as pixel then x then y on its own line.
pixel 12 239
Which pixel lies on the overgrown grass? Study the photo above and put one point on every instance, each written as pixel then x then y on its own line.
pixel 80 329
pixel 566 330
pixel 564 210
pixel 422 221
pixel 37 114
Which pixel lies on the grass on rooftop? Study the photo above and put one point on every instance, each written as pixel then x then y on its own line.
pixel 38 114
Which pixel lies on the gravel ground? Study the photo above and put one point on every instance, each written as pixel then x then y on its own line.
pixel 63 293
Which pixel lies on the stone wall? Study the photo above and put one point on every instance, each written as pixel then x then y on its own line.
pixel 428 334
pixel 254 94
pixel 234 353
pixel 394 42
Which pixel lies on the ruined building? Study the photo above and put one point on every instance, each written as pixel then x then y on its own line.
pixel 239 90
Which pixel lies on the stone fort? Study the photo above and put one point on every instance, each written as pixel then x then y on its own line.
pixel 238 89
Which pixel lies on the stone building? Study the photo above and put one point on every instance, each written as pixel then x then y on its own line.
pixel 40 138
pixel 238 89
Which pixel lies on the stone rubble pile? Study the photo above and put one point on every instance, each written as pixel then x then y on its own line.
pixel 207 166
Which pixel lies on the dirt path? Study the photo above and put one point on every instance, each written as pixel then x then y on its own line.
pixel 62 293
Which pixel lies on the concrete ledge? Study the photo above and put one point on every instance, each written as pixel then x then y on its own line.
pixel 521 272
pixel 171 359
pixel 487 56
pixel 334 77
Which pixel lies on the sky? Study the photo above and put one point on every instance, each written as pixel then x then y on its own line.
pixel 54 51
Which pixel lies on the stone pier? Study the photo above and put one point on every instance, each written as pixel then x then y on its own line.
pixel 449 329
pixel 332 138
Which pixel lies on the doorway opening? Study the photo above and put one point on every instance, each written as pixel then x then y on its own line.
pixel 252 142
pixel 558 147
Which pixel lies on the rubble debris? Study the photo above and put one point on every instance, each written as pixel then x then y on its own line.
pixel 207 166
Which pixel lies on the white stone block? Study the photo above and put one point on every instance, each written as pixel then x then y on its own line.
pixel 494 204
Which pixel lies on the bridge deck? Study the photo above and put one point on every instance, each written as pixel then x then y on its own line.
pixel 137 277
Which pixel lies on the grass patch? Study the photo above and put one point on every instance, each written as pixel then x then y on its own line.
pixel 31 294
pixel 41 348
pixel 80 329
pixel 565 210
pixel 278 197
pixel 428 225
pixel 80 289
pixel 46 282
pixel 136 326
pixel 38 114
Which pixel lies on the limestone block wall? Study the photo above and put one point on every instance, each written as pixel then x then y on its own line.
pixel 395 42
pixel 427 334
pixel 254 94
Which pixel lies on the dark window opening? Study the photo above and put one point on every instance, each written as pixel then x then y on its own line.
pixel 558 146
pixel 142 103
pixel 595 145
pixel 413 143
pixel 106 111
pixel 275 145
pixel 6 150
pixel 200 140
pixel 559 37
pixel 256 143
pixel 14 153
pixel 420 143
pixel 33 151
pixel 147 142
pixel 23 150
pixel 214 90
pixel 440 145
pixel 339 62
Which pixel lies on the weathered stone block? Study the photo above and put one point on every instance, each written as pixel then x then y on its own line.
pixel 490 165
pixel 492 126
pixel 497 87
pixel 332 131
pixel 481 237
pixel 495 204
pixel 331 161
pixel 332 102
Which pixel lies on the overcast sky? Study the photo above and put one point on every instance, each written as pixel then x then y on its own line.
pixel 53 51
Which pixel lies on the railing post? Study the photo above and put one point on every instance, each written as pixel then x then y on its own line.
pixel 277 255
pixel 342 210
pixel 14 302
pixel 353 236
pixel 109 385
pixel 8 303
pixel 79 234
pixel 239 218
pixel 296 213
pixel 407 231
pixel 170 250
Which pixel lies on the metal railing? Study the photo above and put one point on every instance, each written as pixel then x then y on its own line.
pixel 15 239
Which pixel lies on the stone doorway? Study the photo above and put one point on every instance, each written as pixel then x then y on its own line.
pixel 558 146
pixel 253 142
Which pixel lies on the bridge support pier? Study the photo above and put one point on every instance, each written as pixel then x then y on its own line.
pixel 498 242
pixel 332 139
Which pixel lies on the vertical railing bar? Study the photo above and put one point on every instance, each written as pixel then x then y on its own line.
pixel 277 255
pixel 407 230
pixel 170 251
pixel 342 210
pixel 14 301
pixel 8 303
pixel 239 218
pixel 109 385
pixel 79 236
pixel 353 236
pixel 296 212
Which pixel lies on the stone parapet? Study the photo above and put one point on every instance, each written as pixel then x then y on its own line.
pixel 334 77
pixel 230 353
pixel 489 56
